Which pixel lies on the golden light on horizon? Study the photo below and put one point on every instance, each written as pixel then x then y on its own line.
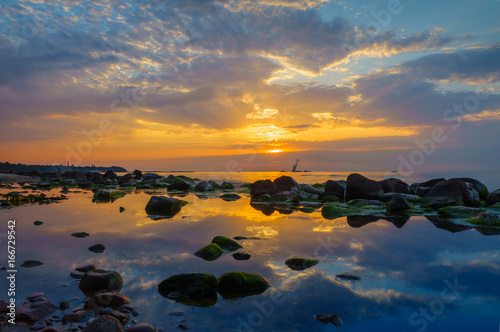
pixel 275 151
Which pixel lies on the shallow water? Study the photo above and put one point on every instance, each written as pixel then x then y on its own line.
pixel 403 271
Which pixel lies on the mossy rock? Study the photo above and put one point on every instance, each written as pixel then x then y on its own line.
pixel 459 212
pixel 240 284
pixel 98 248
pixel 366 204
pixel 230 197
pixel 299 264
pixel 227 185
pixel 336 211
pixel 98 281
pixel 108 196
pixel 485 219
pixel 164 206
pixel 189 285
pixel 245 185
pixel 244 191
pixel 330 198
pixel 262 198
pixel 495 206
pixel 210 252
pixel 306 209
pixel 226 243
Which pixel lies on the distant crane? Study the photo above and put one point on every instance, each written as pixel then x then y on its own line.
pixel 294 167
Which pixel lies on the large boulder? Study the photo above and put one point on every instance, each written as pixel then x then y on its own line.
pixel 263 187
pixel 164 206
pixel 179 185
pixel 493 197
pixel 450 193
pixel 335 189
pixel 203 186
pixel 422 188
pixel 397 204
pixel 110 175
pixel 285 183
pixel 98 280
pixel 359 186
pixel 226 243
pixel 191 285
pixel 478 185
pixel 137 174
pixel 393 185
pixel 236 284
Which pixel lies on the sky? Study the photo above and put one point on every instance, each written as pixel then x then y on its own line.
pixel 251 85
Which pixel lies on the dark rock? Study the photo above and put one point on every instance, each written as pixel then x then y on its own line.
pixel 142 327
pixel 214 184
pixel 335 211
pixel 97 248
pixel 263 187
pixel 478 185
pixel 226 243
pixel 151 176
pixel 409 198
pixel 485 219
pixel 31 263
pixel 393 185
pixel 366 204
pixel 230 197
pixel 447 225
pixel 110 175
pixel 179 186
pixel 299 264
pixel 397 204
pixel 284 196
pixel 203 186
pixel 285 183
pixel 191 285
pixel 105 323
pixel 164 206
pixel 210 252
pixel 124 179
pixel 335 189
pixel 34 296
pixel 359 186
pixel 450 193
pixel 38 325
pixel 331 318
pixel 64 305
pixel 109 299
pixel 137 173
pixel 38 223
pixel 226 185
pixel 237 284
pixel 183 326
pixel 32 312
pixel 460 212
pixel 102 195
pixel 86 268
pixel 348 276
pixel 398 221
pixel 80 234
pixel 360 221
pixel 100 281
pixel 241 256
pixel 74 317
pixel 493 197
pixel 424 187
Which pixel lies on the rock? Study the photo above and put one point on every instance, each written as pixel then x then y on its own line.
pixel 151 176
pixel 179 186
pixel 478 186
pixel 450 193
pixel 191 285
pixel 38 325
pixel 493 197
pixel 263 187
pixel 110 175
pixel 31 263
pixel 236 284
pixel 335 189
pixel 348 276
pixel 64 305
pixel 32 312
pixel 100 281
pixel 203 186
pixel 358 221
pixel 165 206
pixel 409 198
pixel 80 234
pixel 226 185
pixel 142 327
pixel 422 188
pixel 285 183
pixel 394 185
pixel 284 196
pixel 397 204
pixel 447 225
pixel 359 186
pixel 241 256
pixel 97 248
pixel 74 317
pixel 485 219
pixel 226 243
pixel 38 223
pixel 210 252
pixel 102 195
pixel 214 184
pixel 462 212
pixel 335 211
pixel 331 318
pixel 366 204
pixel 34 296
pixel 230 197
pixel 299 264
pixel 137 174
pixel 109 299
pixel 105 323
pixel 86 268
pixel 183 326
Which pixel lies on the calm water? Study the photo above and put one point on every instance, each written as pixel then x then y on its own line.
pixel 405 273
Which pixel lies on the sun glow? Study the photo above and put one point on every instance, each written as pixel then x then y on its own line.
pixel 275 151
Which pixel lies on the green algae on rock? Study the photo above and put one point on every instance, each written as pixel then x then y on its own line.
pixel 240 284
pixel 210 252
pixel 299 264
pixel 226 243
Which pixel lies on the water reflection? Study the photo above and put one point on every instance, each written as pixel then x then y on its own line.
pixel 402 263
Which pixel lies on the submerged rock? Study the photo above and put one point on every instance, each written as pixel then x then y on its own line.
pixel 165 206
pixel 485 219
pixel 226 243
pixel 80 234
pixel 241 256
pixel 191 285
pixel 493 197
pixel 461 212
pixel 331 318
pixel 100 281
pixel 109 299
pixel 32 312
pixel 31 263
pixel 348 276
pixel 239 284
pixel 210 252
pixel 86 268
pixel 335 211
pixel 102 195
pixel 97 248
pixel 230 197
pixel 359 186
pixel 299 264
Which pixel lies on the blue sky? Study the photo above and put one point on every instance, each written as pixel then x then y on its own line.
pixel 195 83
